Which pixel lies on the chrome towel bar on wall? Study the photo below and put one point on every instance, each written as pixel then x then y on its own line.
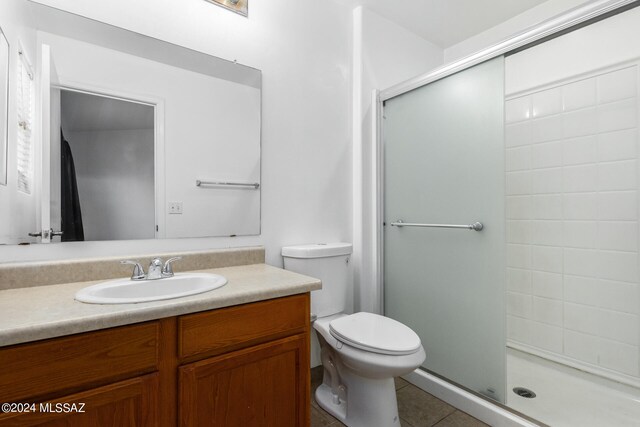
pixel 476 226
pixel 254 185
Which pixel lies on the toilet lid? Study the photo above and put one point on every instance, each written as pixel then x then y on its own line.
pixel 375 333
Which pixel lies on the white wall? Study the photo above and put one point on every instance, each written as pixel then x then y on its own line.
pixel 572 198
pixel 115 174
pixel 510 27
pixel 303 49
pixel 16 223
pixel 384 54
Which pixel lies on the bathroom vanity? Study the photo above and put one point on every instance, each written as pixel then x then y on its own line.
pixel 243 362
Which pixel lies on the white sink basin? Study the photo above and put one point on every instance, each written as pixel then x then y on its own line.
pixel 127 291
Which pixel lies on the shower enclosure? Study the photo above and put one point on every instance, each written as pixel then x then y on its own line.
pixel 511 224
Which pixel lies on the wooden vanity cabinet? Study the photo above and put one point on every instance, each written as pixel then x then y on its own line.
pixel 245 365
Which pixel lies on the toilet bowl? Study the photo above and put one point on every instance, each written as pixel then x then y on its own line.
pixel 358 384
pixel 361 353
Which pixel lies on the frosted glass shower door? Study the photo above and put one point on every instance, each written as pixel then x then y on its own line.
pixel 444 164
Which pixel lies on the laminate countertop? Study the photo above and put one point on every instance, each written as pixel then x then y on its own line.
pixel 41 312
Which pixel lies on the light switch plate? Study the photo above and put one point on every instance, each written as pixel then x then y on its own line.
pixel 175 208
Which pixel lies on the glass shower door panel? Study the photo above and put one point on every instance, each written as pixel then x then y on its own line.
pixel 444 164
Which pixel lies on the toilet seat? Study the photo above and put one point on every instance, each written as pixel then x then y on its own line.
pixel 375 333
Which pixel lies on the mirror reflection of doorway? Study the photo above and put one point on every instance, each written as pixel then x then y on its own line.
pixel 107 162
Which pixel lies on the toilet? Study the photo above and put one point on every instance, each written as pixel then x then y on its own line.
pixel 361 353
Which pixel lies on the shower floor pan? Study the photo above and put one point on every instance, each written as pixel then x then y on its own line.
pixel 567 397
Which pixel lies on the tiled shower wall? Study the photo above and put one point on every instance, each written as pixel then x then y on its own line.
pixel 572 221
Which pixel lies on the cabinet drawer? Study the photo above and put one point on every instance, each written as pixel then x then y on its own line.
pixel 49 368
pixel 226 329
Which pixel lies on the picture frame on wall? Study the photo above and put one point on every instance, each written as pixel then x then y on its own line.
pixel 241 7
pixel 4 106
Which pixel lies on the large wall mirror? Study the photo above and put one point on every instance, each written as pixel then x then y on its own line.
pixel 119 136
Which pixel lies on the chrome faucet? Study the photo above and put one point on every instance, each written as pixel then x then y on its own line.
pixel 156 269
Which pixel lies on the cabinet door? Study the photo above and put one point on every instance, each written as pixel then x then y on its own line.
pixel 265 385
pixel 130 403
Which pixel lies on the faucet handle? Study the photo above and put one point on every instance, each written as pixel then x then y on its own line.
pixel 138 271
pixel 167 270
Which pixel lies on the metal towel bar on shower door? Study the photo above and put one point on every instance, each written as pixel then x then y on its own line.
pixel 476 226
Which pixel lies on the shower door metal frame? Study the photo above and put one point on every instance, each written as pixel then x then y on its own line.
pixel 554 27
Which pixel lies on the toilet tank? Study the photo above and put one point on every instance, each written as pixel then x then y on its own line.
pixel 328 262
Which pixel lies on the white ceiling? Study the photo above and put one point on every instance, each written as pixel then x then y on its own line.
pixel 446 22
pixel 83 112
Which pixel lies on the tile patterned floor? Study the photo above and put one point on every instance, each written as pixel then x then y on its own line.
pixel 416 407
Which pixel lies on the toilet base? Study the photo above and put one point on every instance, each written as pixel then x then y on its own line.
pixel 368 403
pixel 324 397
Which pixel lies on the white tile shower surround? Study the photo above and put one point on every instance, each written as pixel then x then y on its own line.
pixel 567 397
pixel 572 221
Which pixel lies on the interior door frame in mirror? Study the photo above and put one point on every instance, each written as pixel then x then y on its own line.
pixel 158 105
pixel 4 121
